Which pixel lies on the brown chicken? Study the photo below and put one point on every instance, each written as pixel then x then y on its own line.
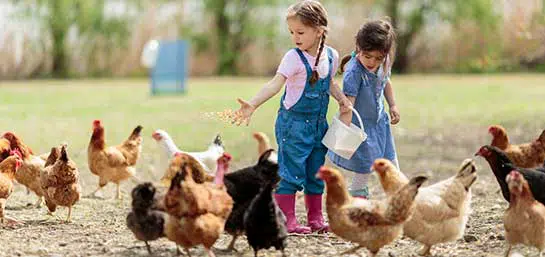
pixel 263 142
pixel 113 163
pixel 370 223
pixel 5 148
pixel 197 171
pixel 442 209
pixel 60 182
pixel 8 167
pixel 29 172
pixel 528 155
pixel 197 212
pixel 524 220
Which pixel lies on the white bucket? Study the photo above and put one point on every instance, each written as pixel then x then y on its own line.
pixel 344 140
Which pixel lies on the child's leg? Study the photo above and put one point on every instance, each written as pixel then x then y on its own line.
pixel 359 187
pixel 314 188
pixel 292 172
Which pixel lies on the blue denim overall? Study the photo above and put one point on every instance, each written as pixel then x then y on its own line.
pixel 299 131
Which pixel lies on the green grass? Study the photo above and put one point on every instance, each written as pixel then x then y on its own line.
pixel 46 113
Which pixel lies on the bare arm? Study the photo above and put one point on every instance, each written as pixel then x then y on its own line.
pixel 268 90
pixel 389 94
pixel 247 108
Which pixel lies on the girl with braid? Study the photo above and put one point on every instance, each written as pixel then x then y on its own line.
pixel 307 71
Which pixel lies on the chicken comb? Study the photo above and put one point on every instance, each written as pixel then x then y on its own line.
pixel 227 156
pixel 16 152
pixel 96 123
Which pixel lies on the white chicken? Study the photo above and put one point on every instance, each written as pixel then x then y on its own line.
pixel 207 159
pixel 442 209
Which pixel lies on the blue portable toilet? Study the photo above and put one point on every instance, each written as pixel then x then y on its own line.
pixel 168 72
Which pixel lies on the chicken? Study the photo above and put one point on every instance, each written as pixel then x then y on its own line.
pixel 501 166
pixel 369 223
pixel 528 155
pixel 265 223
pixel 114 163
pixel 243 186
pixel 5 149
pixel 524 220
pixel 207 159
pixel 8 168
pixel 198 173
pixel 442 209
pixel 197 212
pixel 29 172
pixel 263 142
pixel 190 198
pixel 145 221
pixel 60 183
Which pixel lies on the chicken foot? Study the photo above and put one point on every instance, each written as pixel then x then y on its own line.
pixel 351 250
pixel 179 252
pixel 210 253
pixel 10 222
pixel 93 194
pixel 425 250
pixel 231 246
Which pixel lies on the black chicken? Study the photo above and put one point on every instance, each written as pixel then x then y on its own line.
pixel 243 185
pixel 264 222
pixel 145 220
pixel 501 165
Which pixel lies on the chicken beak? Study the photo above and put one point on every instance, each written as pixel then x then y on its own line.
pixel 319 175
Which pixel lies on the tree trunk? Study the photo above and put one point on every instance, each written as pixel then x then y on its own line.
pixel 226 64
pixel 58 34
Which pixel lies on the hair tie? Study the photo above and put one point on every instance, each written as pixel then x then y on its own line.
pixel 353 54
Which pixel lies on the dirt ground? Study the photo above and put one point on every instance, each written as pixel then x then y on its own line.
pixel 98 227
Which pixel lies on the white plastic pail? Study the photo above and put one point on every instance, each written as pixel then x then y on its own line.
pixel 344 140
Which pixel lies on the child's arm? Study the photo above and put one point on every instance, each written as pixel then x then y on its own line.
pixel 389 94
pixel 336 92
pixel 346 117
pixel 247 108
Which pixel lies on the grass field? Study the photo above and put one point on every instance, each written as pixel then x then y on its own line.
pixel 443 120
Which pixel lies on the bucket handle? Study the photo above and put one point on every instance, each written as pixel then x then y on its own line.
pixel 359 119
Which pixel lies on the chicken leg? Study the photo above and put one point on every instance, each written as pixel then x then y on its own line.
pixel 38 203
pixel 10 222
pixel 231 246
pixel 425 250
pixel 508 251
pixel 210 253
pixel 149 248
pixel 118 194
pixel 68 220
pixel 93 194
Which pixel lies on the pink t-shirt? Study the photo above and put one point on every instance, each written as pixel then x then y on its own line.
pixel 293 68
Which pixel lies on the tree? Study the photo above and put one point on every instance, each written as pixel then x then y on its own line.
pixel 87 17
pixel 411 17
pixel 236 24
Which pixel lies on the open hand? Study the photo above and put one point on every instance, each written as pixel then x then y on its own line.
pixel 394 115
pixel 243 114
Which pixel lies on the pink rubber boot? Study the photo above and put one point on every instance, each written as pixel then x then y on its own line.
pixel 287 205
pixel 314 214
